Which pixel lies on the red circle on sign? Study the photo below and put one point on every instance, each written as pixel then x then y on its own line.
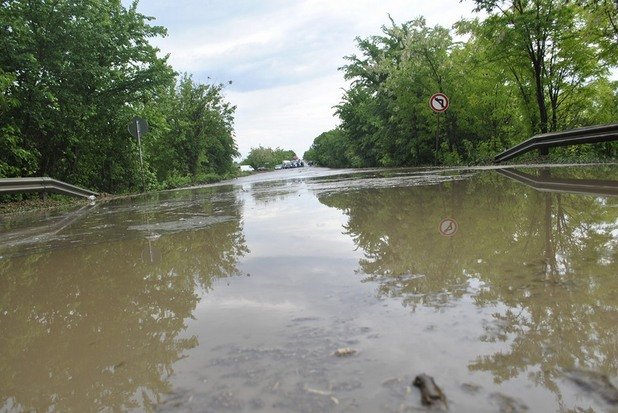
pixel 448 227
pixel 438 102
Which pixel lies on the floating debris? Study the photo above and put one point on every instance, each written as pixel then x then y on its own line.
pixel 345 352
pixel 320 392
pixel 431 394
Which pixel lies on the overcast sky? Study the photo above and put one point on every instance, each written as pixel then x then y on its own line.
pixel 281 55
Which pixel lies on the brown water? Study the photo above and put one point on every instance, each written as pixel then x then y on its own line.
pixel 235 297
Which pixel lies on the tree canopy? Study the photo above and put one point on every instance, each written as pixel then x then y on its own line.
pixel 73 74
pixel 268 158
pixel 528 67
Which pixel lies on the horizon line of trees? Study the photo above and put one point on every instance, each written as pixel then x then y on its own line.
pixel 266 157
pixel 72 76
pixel 528 67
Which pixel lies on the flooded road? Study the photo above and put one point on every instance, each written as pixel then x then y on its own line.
pixel 501 285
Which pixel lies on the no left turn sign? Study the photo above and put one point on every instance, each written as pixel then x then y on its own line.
pixel 438 102
pixel 448 227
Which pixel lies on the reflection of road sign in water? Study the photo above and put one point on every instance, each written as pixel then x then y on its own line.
pixel 438 102
pixel 448 227
pixel 151 254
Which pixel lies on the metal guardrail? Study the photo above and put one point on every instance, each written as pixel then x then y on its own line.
pixel 590 134
pixel 44 185
pixel 551 184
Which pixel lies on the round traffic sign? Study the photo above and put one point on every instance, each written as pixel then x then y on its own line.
pixel 448 227
pixel 438 102
pixel 138 127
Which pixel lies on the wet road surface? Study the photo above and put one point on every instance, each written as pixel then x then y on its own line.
pixel 238 296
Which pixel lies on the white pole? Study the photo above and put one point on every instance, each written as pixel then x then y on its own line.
pixel 141 159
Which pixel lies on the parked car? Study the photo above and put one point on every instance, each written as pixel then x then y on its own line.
pixel 296 163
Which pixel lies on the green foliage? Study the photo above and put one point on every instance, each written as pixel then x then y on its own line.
pixel 529 67
pixel 176 180
pixel 14 159
pixel 268 158
pixel 330 149
pixel 193 133
pixel 551 55
pixel 73 74
pixel 78 68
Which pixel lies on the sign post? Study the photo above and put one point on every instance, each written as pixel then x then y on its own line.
pixel 438 102
pixel 138 127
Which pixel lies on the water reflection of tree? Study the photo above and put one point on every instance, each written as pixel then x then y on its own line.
pixel 549 258
pixel 264 193
pixel 566 314
pixel 97 327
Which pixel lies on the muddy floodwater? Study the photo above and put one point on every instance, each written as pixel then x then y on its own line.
pixel 314 290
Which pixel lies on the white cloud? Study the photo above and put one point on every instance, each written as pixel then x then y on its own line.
pixel 289 116
pixel 282 56
pixel 192 56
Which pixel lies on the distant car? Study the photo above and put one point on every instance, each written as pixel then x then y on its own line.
pixel 296 163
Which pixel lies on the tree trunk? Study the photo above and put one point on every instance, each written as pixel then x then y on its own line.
pixel 540 96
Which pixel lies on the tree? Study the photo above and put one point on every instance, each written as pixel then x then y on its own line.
pixel 196 132
pixel 385 113
pixel 14 159
pixel 79 69
pixel 73 76
pixel 425 68
pixel 546 48
pixel 330 149
pixel 531 66
pixel 262 157
pixel 602 24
